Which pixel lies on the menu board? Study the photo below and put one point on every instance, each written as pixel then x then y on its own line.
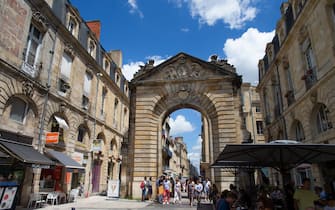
pixel 8 196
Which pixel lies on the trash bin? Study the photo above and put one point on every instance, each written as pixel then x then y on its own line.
pixel 8 192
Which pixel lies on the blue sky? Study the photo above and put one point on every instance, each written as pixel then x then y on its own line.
pixel 237 30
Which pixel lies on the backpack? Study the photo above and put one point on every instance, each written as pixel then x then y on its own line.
pixel 142 185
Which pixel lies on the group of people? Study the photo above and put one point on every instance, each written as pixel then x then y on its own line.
pixel 146 188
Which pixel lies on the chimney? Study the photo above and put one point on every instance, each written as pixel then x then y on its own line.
pixel 117 57
pixel 95 27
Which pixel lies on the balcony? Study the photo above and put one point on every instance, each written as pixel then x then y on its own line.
pixel 32 71
pixel 310 78
pixel 289 97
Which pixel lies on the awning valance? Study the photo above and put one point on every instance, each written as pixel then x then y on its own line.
pixel 62 123
pixel 65 160
pixel 24 153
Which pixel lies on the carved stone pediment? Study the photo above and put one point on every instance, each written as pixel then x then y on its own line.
pixel 183 67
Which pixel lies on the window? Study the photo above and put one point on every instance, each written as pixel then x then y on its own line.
pixel 65 73
pixel 310 59
pixel 91 48
pixel 116 103
pixel 72 26
pixel 19 110
pixel 333 13
pixel 85 102
pixel 87 84
pixel 106 65
pixel 322 119
pixel 258 108
pixel 299 132
pixel 81 133
pixel 103 97
pixel 55 127
pixel 117 79
pixel 259 125
pixel 32 51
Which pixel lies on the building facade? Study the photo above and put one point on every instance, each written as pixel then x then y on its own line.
pixel 252 113
pixel 57 79
pixel 297 76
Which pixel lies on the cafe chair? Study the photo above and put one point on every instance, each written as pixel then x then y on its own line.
pixel 36 200
pixel 53 198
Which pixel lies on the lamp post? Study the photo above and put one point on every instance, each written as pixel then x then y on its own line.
pixel 93 135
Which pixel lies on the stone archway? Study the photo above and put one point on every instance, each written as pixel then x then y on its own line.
pixel 183 81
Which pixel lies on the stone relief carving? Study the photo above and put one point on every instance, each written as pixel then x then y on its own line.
pixel 68 48
pixel 40 19
pixel 28 88
pixel 183 70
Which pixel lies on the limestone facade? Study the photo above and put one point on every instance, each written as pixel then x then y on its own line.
pixel 52 65
pixel 297 76
pixel 183 81
pixel 252 113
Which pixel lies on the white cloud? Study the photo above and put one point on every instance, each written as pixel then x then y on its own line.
pixel 232 12
pixel 195 153
pixel 185 30
pixel 180 125
pixel 244 52
pixel 131 68
pixel 134 8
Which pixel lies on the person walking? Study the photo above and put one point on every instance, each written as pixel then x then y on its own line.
pixel 167 187
pixel 207 188
pixel 177 192
pixel 198 191
pixel 191 185
pixel 143 188
pixel 149 188
pixel 304 198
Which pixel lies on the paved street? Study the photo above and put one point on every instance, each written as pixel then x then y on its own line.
pixel 102 203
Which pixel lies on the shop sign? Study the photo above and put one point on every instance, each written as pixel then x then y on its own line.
pixel 52 137
pixel 78 157
pixel 97 145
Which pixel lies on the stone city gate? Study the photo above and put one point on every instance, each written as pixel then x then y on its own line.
pixel 183 81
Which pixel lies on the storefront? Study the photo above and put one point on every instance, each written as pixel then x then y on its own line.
pixel 66 175
pixel 20 163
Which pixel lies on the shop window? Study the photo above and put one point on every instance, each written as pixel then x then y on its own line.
pixel 299 132
pixel 322 119
pixel 32 51
pixel 259 125
pixel 19 109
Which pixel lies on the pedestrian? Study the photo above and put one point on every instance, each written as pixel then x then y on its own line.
pixel 161 191
pixel 330 202
pixel 142 186
pixel 149 188
pixel 177 192
pixel 167 187
pixel 207 188
pixel 304 198
pixel 214 194
pixel 198 190
pixel 226 201
pixel 191 190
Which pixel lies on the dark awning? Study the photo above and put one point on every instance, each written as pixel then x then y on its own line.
pixel 65 160
pixel 24 153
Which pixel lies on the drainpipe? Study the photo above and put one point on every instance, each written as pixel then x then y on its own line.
pixel 46 97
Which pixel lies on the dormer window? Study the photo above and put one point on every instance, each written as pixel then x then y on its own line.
pixel 72 25
pixel 91 48
pixel 117 80
pixel 106 65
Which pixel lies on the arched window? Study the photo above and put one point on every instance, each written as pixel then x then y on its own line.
pixel 322 120
pixel 299 131
pixel 19 109
pixel 81 133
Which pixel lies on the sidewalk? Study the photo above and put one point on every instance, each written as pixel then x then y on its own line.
pixel 98 203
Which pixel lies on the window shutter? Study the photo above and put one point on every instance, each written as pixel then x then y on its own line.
pixel 66 66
